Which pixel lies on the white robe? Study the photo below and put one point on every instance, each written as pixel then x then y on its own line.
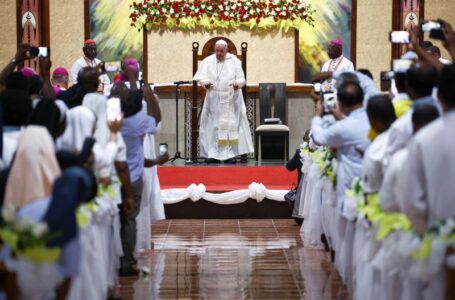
pixel 428 173
pixel 224 130
pixel 341 65
pixel 82 63
pixel 372 174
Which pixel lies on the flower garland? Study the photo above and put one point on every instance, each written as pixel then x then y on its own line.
pixel 26 237
pixel 212 14
pixel 325 158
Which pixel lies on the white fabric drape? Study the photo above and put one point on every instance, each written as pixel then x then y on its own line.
pixel 256 191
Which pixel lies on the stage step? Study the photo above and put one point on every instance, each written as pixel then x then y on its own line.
pixel 226 178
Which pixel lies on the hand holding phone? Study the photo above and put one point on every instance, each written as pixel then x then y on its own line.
pixel 434 28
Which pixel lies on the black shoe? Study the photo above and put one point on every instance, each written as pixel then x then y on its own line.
pixel 128 272
pixel 230 161
pixel 212 161
pixel 244 159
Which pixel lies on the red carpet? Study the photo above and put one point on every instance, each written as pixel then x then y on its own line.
pixel 224 178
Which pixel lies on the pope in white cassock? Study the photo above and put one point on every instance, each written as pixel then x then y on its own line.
pixel 224 131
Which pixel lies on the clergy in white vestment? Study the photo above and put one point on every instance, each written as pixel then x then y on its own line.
pixel 224 130
pixel 391 191
pixel 337 62
pixel 420 81
pixel 381 114
pixel 88 60
pixel 430 169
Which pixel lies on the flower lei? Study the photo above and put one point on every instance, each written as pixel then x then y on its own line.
pixel 26 237
pixel 211 14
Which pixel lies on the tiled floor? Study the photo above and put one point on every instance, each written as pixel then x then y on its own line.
pixel 233 259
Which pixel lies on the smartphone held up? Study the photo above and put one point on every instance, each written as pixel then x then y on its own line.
pixel 399 37
pixel 114 109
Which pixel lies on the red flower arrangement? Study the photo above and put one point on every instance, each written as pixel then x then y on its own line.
pixel 221 14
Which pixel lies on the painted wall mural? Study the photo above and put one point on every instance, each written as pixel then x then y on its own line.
pixel 331 19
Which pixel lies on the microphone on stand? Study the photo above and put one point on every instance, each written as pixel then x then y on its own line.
pixel 182 82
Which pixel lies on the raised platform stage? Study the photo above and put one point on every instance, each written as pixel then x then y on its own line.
pixel 224 191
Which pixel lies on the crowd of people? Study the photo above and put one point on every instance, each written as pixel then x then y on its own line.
pixel 377 168
pixel 78 183
pixel 78 195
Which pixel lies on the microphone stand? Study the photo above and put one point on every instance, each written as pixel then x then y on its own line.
pixel 177 154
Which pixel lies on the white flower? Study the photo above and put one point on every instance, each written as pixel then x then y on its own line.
pixel 234 6
pixel 142 19
pixel 273 13
pixel 251 11
pixel 23 224
pixel 8 213
pixel 326 163
pixel 203 6
pixel 210 7
pixel 172 11
pixel 40 229
pixel 334 164
pixel 220 7
pixel 304 145
pixel 283 13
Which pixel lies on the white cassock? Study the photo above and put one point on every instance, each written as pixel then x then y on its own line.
pixel 83 62
pixel 341 65
pixel 224 130
pixel 391 194
pixel 372 173
pixel 428 173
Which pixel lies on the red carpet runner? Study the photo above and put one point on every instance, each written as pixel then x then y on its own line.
pixel 225 178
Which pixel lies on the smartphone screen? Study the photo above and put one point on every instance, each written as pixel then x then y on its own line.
pixel 163 149
pixel 399 37
pixel 114 109
pixel 401 65
pixel 43 51
pixel 330 101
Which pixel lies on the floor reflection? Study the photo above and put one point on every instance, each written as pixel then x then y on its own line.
pixel 233 259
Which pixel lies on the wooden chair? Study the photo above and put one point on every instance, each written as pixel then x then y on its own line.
pixel 272 104
pixel 207 50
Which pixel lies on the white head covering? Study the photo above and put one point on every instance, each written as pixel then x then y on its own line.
pixel 80 124
pixel 221 42
pixel 34 169
pixel 63 109
pixel 98 105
